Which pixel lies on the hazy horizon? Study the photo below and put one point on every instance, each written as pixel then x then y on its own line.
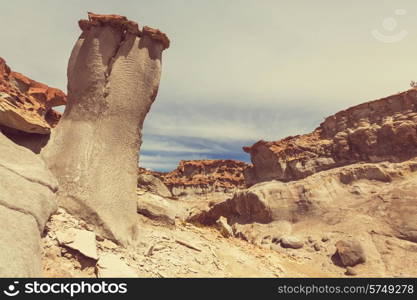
pixel 236 71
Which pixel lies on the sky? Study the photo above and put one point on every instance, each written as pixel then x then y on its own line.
pixel 237 71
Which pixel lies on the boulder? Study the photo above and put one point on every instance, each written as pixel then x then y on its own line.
pixel 113 79
pixel 350 252
pixel 81 240
pixel 158 208
pixel 350 271
pixel 224 227
pixel 27 200
pixel 153 184
pixel 291 242
pixel 112 266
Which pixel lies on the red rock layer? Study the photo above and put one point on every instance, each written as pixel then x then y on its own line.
pixel 379 130
pixel 123 23
pixel 203 176
pixel 26 104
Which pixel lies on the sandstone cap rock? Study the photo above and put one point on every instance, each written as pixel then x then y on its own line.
pixel 25 104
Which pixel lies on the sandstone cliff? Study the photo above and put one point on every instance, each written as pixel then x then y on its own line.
pixel 25 104
pixel 380 130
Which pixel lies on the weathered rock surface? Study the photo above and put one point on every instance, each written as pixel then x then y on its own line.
pixel 186 250
pixel 159 208
pixel 350 253
pixel 81 240
pixel 20 253
pixel 291 242
pixel 113 78
pixel 27 199
pixel 152 184
pixel 25 104
pixel 196 177
pixel 380 130
pixel 112 266
pixel 382 191
pixel 224 227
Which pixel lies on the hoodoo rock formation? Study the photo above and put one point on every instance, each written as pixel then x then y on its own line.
pixel 380 130
pixel 340 201
pixel 205 176
pixel 113 78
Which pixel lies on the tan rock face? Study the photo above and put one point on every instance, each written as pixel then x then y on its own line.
pixel 383 192
pixel 380 130
pixel 205 176
pixel 25 104
pixel 27 200
pixel 159 208
pixel 113 78
pixel 373 202
pixel 111 265
pixel 81 240
pixel 152 183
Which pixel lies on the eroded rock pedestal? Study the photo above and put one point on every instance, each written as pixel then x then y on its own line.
pixel 113 78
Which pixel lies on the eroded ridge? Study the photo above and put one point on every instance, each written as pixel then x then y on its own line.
pixel 380 130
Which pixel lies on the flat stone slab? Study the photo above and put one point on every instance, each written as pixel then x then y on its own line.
pixel 81 240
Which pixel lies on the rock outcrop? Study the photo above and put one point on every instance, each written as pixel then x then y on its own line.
pixel 159 208
pixel 380 130
pixel 27 199
pixel 151 183
pixel 194 177
pixel 386 196
pixel 350 253
pixel 113 78
pixel 25 104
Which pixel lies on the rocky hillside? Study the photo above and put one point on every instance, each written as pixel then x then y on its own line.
pixel 194 177
pixel 380 130
pixel 340 201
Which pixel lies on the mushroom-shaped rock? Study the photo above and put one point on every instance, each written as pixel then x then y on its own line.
pixel 113 78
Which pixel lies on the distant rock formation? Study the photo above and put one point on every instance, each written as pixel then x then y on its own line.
pixel 113 78
pixel 25 104
pixel 194 177
pixel 151 183
pixel 380 130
